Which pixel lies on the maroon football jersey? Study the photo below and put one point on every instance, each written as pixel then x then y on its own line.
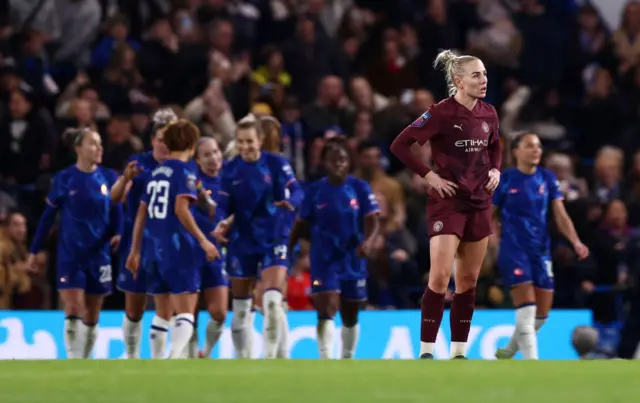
pixel 464 145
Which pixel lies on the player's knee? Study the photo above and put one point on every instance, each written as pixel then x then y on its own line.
pixel 134 313
pixel 466 281
pixel 74 308
pixel 217 314
pixel 91 316
pixel 350 319
pixel 438 281
pixel 328 311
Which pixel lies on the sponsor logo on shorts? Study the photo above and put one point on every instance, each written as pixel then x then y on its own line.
pixel 437 226
pixel 485 127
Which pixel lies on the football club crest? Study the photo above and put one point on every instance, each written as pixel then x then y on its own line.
pixel 103 189
pixel 485 127
pixel 437 226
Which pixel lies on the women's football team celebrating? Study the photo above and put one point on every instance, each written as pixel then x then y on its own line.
pixel 186 224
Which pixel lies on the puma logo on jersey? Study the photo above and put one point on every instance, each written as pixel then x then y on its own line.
pixel 459 127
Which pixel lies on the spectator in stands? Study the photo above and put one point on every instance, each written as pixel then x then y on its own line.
pixel 173 70
pixel 329 109
pixel 79 25
pixel 602 112
pixel 14 277
pixel 213 114
pixel 120 144
pixel 571 187
pixel 613 251
pixel 608 175
pixel 80 88
pixel 116 35
pixel 26 141
pixel 627 39
pixel 271 80
pixel 309 57
pixel 364 98
pixel 120 78
pixel 394 72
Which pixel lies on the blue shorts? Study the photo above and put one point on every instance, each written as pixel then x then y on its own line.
pixel 250 265
pixel 214 274
pixel 126 282
pixel 93 278
pixel 173 277
pixel 325 278
pixel 521 267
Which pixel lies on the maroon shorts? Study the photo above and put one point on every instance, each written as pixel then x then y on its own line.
pixel 470 224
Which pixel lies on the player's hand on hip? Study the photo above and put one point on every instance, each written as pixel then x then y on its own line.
pixel 210 250
pixel 581 250
pixel 284 204
pixel 442 186
pixel 115 242
pixel 133 263
pixel 494 180
pixel 132 170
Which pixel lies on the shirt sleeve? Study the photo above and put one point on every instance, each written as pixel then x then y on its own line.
pixel 59 192
pixel 187 185
pixel 554 187
pixel 145 196
pixel 425 127
pixel 306 207
pixel 495 145
pixel 285 179
pixel 367 200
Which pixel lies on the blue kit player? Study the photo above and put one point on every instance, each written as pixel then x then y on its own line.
pixel 165 210
pixel 214 286
pixel 254 186
pixel 522 200
pixel 89 224
pixel 130 187
pixel 339 215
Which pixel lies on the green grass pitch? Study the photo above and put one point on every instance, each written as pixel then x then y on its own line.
pixel 188 381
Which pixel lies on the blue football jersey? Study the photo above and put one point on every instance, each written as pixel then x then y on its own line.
pixel 167 182
pixel 148 163
pixel 336 215
pixel 206 223
pixel 524 202
pixel 87 219
pixel 249 191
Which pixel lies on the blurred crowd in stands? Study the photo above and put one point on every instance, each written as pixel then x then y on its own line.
pixel 361 69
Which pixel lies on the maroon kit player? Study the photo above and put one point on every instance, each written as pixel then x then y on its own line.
pixel 463 131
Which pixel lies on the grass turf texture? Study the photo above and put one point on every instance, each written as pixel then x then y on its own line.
pixel 318 381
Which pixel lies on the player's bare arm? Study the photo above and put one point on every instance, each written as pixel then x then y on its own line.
pixel 371 231
pixel 121 188
pixel 183 213
pixel 133 261
pixel 567 229
pixel 301 230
